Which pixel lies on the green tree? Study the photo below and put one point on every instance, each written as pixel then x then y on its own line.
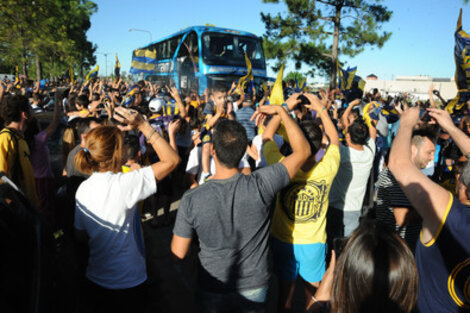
pixel 45 35
pixel 295 75
pixel 315 33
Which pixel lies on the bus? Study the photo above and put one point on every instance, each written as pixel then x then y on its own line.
pixel 195 58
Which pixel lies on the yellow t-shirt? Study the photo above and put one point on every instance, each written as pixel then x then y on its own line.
pixel 14 148
pixel 300 213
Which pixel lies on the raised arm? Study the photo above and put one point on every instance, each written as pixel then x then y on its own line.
pixel 168 157
pixel 56 117
pixel 176 95
pixel 445 121
pixel 431 98
pixel 322 112
pixel 428 198
pixel 345 117
pixel 300 146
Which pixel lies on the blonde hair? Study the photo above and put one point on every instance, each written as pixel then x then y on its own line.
pixel 68 143
pixel 103 152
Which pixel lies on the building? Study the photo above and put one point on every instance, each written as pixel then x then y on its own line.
pixel 418 86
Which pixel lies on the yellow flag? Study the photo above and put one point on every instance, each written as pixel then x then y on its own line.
pixel 277 94
pixel 244 79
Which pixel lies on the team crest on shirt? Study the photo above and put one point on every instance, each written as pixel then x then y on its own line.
pixel 460 278
pixel 304 202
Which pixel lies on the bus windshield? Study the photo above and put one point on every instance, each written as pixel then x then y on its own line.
pixel 229 49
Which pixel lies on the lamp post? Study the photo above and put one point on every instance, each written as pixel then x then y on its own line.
pixel 142 30
pixel 105 61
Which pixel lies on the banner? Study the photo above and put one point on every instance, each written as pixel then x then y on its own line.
pixel 143 61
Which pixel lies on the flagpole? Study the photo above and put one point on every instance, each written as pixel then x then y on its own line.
pixel 106 62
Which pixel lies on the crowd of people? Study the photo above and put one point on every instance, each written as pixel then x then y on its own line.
pixel 362 198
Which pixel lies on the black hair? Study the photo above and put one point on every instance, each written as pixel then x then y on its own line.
pixel 132 146
pixel 12 107
pixel 194 123
pixel 82 101
pixel 141 84
pixel 230 142
pixel 359 132
pixel 95 96
pixel 429 132
pixel 218 87
pixel 313 133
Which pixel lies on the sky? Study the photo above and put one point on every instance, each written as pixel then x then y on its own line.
pixel 422 40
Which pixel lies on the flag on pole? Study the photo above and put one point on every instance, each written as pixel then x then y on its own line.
pixel 117 68
pixel 345 77
pixel 277 93
pixel 244 79
pixel 17 78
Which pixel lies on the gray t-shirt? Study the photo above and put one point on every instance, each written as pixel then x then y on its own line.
pixel 232 218
pixel 70 165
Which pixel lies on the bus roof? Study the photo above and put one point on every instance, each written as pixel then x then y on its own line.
pixel 203 29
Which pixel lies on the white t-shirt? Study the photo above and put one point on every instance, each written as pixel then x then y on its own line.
pixel 106 208
pixel 349 186
pixel 258 142
pixel 194 165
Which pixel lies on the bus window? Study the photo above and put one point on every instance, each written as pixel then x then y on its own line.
pixel 229 49
pixel 188 62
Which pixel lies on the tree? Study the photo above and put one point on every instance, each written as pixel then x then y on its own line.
pixel 45 35
pixel 315 33
pixel 295 75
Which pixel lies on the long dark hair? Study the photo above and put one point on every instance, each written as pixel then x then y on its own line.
pixel 375 273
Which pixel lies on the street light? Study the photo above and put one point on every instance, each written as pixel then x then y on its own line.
pixel 142 30
pixel 106 61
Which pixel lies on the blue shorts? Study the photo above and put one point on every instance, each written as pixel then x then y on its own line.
pixel 306 260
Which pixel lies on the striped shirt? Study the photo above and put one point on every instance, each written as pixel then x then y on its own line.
pixel 389 196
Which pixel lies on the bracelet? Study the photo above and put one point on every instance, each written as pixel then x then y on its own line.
pixel 320 112
pixel 314 299
pixel 153 133
pixel 154 141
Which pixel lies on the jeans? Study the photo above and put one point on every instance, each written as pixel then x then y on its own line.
pixel 243 301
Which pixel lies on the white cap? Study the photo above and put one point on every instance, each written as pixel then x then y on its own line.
pixel 156 104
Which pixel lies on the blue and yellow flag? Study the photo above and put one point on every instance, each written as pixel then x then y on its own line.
pixel 462 64
pixel 360 82
pixel 277 93
pixel 345 77
pixel 130 97
pixel 92 74
pixel 117 68
pixel 143 61
pixel 302 86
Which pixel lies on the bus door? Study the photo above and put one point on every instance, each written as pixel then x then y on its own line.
pixel 188 63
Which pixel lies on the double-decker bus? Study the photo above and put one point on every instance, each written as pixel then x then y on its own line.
pixel 197 57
